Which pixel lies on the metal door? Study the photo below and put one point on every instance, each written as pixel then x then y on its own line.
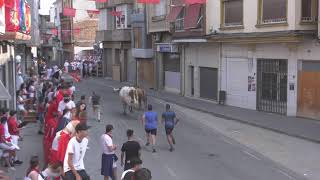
pixel 208 83
pixel 272 85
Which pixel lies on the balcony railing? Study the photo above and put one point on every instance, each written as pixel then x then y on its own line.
pixel 309 19
pixel 274 21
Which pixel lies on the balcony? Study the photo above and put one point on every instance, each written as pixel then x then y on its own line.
pixel 114 35
pixel 142 53
pixel 113 3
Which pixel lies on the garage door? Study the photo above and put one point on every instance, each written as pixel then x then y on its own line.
pixel 208 83
pixel 237 82
pixel 309 90
pixel 172 76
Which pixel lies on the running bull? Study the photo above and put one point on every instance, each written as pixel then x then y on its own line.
pixel 132 97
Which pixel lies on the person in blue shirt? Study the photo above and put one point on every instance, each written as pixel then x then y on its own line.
pixel 169 119
pixel 150 121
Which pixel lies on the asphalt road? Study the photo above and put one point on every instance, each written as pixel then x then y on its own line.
pixel 201 153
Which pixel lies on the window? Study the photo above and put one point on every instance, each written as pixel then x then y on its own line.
pixel 137 37
pixel 4 48
pixel 122 21
pixel 179 23
pixel 309 11
pixel 232 12
pixel 273 11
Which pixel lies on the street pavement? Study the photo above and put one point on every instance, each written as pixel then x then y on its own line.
pixel 208 147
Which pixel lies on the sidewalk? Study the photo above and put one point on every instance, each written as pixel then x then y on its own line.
pixel 297 127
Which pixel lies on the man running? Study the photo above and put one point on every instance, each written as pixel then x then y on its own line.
pixel 150 121
pixel 130 150
pixel 169 119
pixel 95 100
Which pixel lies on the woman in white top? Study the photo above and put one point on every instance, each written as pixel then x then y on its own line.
pixel 20 102
pixel 33 171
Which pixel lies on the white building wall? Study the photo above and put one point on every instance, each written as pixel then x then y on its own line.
pixel 250 16
pixel 199 55
pixel 102 25
pixel 294 53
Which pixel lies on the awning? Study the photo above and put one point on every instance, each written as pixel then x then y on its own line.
pixel 174 13
pixel 192 16
pixel 4 94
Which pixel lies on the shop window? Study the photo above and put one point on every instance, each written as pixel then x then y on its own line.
pixel 4 48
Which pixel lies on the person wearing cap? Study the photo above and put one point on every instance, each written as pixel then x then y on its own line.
pixel 169 119
pixel 150 121
pixel 14 130
pixel 73 164
pixel 109 158
pixel 135 164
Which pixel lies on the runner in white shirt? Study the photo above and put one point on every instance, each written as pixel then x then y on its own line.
pixel 73 164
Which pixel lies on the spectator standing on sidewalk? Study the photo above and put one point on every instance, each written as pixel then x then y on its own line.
pixel 129 150
pixel 150 121
pixel 5 145
pixel 169 119
pixel 15 132
pixel 82 113
pixel 82 100
pixel 73 164
pixel 95 100
pixel 109 158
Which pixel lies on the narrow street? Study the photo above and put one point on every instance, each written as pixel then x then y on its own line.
pixel 201 152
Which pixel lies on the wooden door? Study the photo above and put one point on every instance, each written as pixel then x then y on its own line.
pixel 309 94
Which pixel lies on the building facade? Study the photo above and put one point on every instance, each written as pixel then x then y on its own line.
pixel 260 55
pixel 114 32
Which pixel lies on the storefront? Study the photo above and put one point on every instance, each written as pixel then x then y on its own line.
pixel 171 67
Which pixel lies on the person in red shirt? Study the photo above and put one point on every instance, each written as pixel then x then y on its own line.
pixel 14 130
pixel 52 108
pixel 6 146
pixel 49 134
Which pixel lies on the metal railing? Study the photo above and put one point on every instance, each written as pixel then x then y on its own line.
pixel 309 19
pixel 274 21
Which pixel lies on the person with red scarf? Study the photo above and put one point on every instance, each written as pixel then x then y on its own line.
pixel 49 134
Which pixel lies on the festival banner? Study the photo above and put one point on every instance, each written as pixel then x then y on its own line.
pixel 12 17
pixel 101 1
pixel 69 12
pixel 9 3
pixel 22 14
pixel 28 19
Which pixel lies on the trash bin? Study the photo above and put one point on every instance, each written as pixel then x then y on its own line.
pixel 222 97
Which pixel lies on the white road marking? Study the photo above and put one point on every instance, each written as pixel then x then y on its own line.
pixel 251 155
pixel 227 141
pixel 286 174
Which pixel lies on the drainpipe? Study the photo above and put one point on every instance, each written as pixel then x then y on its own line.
pixel 220 70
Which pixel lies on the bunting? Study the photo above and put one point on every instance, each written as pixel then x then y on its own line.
pixel 93 11
pixel 115 13
pixel 1 3
pixel 54 31
pixel 69 12
pixel 101 1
